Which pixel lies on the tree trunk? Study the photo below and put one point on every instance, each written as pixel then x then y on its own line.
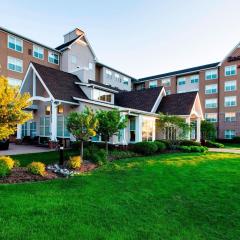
pixel 106 147
pixel 81 150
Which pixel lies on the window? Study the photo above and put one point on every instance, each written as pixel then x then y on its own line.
pixel 25 129
pixel 166 82
pixel 100 95
pixel 62 127
pixel 211 89
pixel 48 110
pixel 33 129
pixel 231 70
pixel 108 73
pixel 229 134
pixel 230 117
pixel 230 101
pixel 45 126
pixel 74 59
pixel 168 92
pixel 152 84
pixel 38 52
pixel 230 86
pixel 125 80
pixel 15 64
pixel 132 129
pixel 117 76
pixel 211 117
pixel 14 82
pixel 181 81
pixel 194 79
pixel 211 74
pixel 90 66
pixel 60 109
pixel 53 58
pixel 15 44
pixel 211 103
pixel 147 129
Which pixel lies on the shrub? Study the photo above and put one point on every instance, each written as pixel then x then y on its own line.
pixel 214 144
pixel 74 162
pixel 9 161
pixel 199 149
pixel 16 163
pixel 37 168
pixel 145 148
pixel 161 146
pixel 120 154
pixel 189 143
pixel 99 157
pixel 4 170
pixel 236 140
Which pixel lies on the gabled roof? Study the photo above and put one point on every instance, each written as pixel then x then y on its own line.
pixel 104 85
pixel 143 100
pixel 61 84
pixel 65 45
pixel 179 72
pixel 177 104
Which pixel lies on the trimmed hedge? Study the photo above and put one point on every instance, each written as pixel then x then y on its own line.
pixel 161 146
pixel 145 148
pixel 189 149
pixel 173 144
pixel 214 144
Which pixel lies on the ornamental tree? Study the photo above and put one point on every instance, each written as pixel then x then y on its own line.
pixel 208 130
pixel 82 125
pixel 12 105
pixel 110 123
pixel 178 123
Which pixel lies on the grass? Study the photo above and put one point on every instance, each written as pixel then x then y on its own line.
pixel 170 196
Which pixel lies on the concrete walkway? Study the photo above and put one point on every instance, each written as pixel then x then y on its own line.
pixel 224 150
pixel 22 149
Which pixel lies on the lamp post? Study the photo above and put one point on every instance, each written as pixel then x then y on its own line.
pixel 61 154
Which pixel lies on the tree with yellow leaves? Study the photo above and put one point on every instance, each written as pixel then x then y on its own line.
pixel 12 105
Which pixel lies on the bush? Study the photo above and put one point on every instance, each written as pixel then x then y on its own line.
pixel 189 143
pixel 236 140
pixel 4 170
pixel 161 146
pixel 120 154
pixel 189 149
pixel 99 157
pixel 214 144
pixel 9 161
pixel 37 168
pixel 74 162
pixel 145 148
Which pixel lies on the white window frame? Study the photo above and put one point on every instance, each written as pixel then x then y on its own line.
pixel 211 117
pixel 230 86
pixel 108 73
pixel 45 126
pixel 38 50
pixel 16 39
pixel 214 103
pixel 229 134
pixel 168 92
pixel 14 82
pixel 230 69
pixel 211 74
pixel 15 60
pixel 90 66
pixel 117 76
pixel 230 117
pixel 166 82
pixel 194 79
pixel 73 59
pixel 97 93
pixel 181 81
pixel 211 88
pixel 153 84
pixel 125 80
pixel 233 103
pixel 50 56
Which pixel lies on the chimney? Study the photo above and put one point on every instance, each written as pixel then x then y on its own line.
pixel 72 35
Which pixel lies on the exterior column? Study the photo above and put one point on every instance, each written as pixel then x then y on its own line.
pixel 139 120
pixel 54 122
pixel 198 130
pixel 188 121
pixel 19 131
pixel 124 132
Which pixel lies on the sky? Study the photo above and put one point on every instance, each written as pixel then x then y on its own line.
pixel 138 37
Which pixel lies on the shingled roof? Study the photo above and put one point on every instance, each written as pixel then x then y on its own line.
pixel 61 84
pixel 64 45
pixel 177 104
pixel 143 100
pixel 179 72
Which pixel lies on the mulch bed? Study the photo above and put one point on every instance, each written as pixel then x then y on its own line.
pixel 20 174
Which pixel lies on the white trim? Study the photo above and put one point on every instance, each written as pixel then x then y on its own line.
pixel 68 102
pixel 194 112
pixel 96 86
pixel 39 98
pixel 159 99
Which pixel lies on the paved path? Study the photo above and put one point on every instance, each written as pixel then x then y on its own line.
pixel 22 149
pixel 224 150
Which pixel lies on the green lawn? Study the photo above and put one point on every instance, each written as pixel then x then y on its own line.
pixel 171 196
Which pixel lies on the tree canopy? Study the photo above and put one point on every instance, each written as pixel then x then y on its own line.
pixel 12 105
pixel 208 130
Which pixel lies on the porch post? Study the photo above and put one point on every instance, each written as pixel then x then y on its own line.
pixel 19 131
pixel 54 122
pixel 139 120
pixel 198 129
pixel 188 121
pixel 124 132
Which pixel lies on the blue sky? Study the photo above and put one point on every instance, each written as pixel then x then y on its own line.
pixel 138 37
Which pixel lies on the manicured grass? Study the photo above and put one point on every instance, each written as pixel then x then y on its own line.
pixel 170 196
pixel 232 145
